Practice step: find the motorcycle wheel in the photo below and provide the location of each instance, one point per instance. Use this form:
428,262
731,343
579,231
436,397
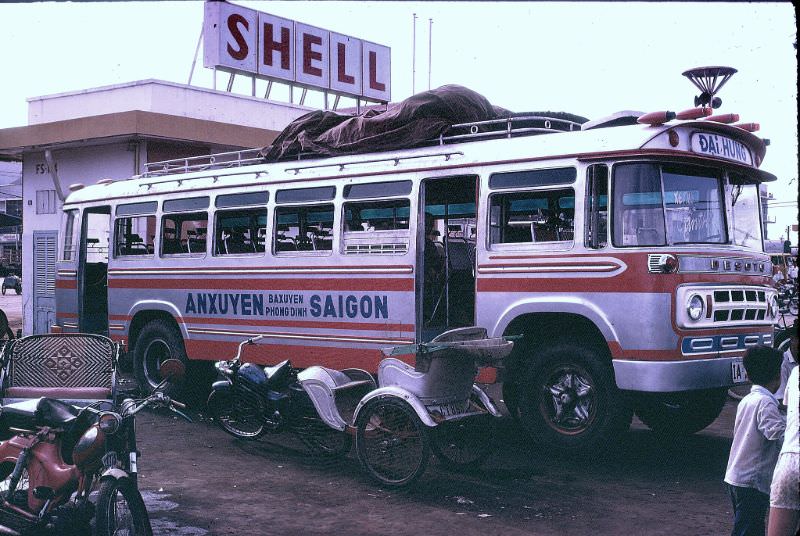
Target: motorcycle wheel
464,443
121,510
391,442
793,307
239,413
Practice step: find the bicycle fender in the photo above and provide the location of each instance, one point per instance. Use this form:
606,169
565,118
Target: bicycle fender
393,391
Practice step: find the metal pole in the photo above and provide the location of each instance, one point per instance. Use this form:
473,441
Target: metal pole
196,51
414,56
430,43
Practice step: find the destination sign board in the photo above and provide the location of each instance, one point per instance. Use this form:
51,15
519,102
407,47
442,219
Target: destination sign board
242,40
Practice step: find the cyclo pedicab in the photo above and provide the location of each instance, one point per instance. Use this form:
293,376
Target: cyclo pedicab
398,421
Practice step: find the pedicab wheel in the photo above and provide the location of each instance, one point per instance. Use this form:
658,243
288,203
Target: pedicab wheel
321,439
464,443
391,442
238,412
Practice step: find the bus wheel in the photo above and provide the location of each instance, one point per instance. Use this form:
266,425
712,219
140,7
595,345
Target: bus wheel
569,400
680,413
157,342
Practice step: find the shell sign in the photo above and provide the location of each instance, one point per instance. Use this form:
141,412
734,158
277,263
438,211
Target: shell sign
242,40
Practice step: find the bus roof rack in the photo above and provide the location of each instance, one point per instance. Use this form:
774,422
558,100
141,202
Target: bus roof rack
231,159
508,127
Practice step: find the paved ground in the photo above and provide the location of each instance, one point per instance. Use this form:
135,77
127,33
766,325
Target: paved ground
199,481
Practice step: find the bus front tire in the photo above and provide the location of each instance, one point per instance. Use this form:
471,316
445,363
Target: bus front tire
157,342
682,413
569,400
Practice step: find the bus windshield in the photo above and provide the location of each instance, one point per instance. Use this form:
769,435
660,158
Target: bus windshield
661,204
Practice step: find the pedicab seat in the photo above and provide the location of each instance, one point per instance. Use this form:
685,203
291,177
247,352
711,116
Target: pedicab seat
76,368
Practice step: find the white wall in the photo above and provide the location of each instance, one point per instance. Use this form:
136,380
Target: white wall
81,165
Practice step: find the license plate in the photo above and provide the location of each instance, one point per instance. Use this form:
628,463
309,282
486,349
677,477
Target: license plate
449,410
721,147
738,374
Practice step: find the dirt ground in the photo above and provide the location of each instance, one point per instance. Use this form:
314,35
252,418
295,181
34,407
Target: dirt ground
199,481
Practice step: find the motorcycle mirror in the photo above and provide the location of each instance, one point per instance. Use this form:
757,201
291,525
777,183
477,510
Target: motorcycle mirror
172,369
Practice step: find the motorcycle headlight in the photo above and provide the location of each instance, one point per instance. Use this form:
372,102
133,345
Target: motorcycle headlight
695,307
109,423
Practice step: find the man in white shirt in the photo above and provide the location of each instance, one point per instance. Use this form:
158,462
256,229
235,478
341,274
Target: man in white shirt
757,438
789,360
784,496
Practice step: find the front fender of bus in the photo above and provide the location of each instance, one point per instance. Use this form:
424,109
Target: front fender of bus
571,305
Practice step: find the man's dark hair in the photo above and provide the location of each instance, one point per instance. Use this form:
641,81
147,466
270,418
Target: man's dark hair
763,364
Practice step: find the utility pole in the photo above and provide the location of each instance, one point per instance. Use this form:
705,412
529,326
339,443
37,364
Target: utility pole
414,56
430,41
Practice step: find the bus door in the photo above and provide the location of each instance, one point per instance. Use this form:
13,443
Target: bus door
93,271
447,235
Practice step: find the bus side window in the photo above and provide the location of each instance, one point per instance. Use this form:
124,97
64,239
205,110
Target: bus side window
533,217
597,207
134,235
304,229
184,234
239,232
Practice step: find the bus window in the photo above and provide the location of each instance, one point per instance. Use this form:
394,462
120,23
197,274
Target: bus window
377,215
532,217
134,235
304,229
184,234
238,232
68,252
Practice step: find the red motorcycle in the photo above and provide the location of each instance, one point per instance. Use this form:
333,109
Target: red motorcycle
60,454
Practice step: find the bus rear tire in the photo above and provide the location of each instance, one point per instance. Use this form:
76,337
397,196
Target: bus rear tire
569,400
682,413
157,342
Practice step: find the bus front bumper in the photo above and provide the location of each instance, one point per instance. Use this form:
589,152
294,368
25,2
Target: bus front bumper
672,376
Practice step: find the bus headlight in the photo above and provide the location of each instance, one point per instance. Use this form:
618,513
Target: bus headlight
695,307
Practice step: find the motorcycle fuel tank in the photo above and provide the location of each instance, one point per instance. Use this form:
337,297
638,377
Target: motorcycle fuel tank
252,375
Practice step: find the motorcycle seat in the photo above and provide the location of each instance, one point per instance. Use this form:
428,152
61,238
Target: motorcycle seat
41,412
278,374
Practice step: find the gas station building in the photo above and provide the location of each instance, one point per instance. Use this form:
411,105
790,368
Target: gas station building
112,132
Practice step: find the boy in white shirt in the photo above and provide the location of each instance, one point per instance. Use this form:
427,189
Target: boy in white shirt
757,438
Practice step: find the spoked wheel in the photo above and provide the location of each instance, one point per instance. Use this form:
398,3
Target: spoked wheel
121,510
321,439
464,443
238,412
391,442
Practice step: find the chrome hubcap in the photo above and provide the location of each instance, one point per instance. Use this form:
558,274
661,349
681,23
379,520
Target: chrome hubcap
569,400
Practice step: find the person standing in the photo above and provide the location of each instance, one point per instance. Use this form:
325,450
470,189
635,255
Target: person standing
784,497
757,437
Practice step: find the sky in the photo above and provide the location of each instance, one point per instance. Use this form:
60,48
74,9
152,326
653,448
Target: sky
587,58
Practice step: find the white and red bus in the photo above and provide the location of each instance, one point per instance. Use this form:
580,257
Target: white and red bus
629,257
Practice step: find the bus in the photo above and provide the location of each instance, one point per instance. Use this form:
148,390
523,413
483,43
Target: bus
627,254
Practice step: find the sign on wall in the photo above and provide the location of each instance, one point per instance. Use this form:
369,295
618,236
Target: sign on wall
242,40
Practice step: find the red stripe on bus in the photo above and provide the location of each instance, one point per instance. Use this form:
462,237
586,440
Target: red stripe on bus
361,326
67,315
243,283
266,268
67,283
301,355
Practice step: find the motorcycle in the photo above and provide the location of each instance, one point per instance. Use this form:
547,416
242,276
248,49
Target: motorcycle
250,401
59,454
787,297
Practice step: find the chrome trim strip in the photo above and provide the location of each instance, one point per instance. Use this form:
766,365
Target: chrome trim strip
326,338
